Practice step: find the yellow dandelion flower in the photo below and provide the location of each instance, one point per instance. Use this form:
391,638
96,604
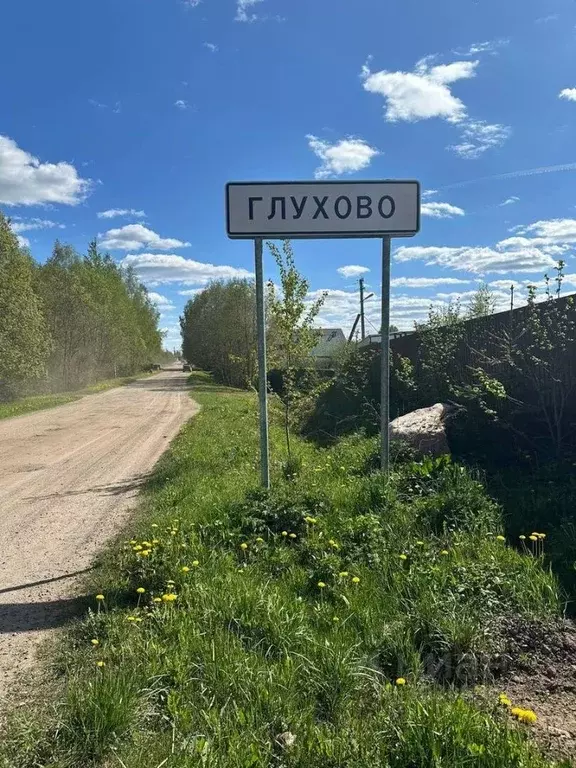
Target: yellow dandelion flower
157,600
343,574
533,538
444,552
420,543
155,541
99,597
321,584
355,580
173,532
284,533
140,590
522,537
541,535
100,663
516,711
504,700
138,548
292,535
185,569
147,544
244,546
145,553
195,563
133,541
403,557
400,681
130,618
501,538
528,716
335,618
169,597
260,540
94,641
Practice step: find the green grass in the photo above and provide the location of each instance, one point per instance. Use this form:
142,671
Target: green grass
42,402
255,663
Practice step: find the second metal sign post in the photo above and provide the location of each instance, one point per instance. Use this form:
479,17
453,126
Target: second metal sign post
322,209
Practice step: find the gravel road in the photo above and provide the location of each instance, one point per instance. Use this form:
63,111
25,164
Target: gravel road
68,477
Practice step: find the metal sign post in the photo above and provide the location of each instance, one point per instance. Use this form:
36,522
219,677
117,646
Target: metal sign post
385,360
322,209
262,369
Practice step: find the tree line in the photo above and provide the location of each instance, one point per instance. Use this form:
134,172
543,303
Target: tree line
219,325
71,321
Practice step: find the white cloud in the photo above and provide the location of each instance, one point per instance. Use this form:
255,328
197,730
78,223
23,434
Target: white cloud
550,232
423,93
479,259
426,282
504,285
181,104
163,303
211,47
24,180
568,93
133,237
489,46
441,210
23,242
244,10
192,3
340,309
510,200
172,336
344,156
18,224
407,310
117,108
429,193
546,19
157,269
114,212
479,136
352,270
190,292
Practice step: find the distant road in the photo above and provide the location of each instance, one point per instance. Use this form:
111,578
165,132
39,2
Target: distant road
68,476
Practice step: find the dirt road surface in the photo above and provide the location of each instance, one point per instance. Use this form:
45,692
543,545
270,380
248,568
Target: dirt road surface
68,478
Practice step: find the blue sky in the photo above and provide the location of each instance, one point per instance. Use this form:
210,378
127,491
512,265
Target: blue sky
125,119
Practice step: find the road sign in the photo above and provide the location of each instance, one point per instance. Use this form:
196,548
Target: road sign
322,209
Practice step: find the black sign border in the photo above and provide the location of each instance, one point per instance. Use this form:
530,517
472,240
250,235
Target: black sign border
320,235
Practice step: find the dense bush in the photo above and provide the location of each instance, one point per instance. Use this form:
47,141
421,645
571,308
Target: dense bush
352,400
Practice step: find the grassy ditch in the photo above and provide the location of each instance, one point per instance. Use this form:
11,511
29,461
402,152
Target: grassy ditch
340,622
42,402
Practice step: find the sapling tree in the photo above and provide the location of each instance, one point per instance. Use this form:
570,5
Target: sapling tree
291,333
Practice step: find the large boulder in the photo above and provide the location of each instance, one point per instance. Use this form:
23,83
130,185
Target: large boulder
423,430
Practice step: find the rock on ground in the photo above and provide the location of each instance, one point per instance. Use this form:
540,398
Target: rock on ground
423,430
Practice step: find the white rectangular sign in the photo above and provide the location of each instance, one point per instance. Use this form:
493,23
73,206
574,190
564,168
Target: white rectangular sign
308,209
